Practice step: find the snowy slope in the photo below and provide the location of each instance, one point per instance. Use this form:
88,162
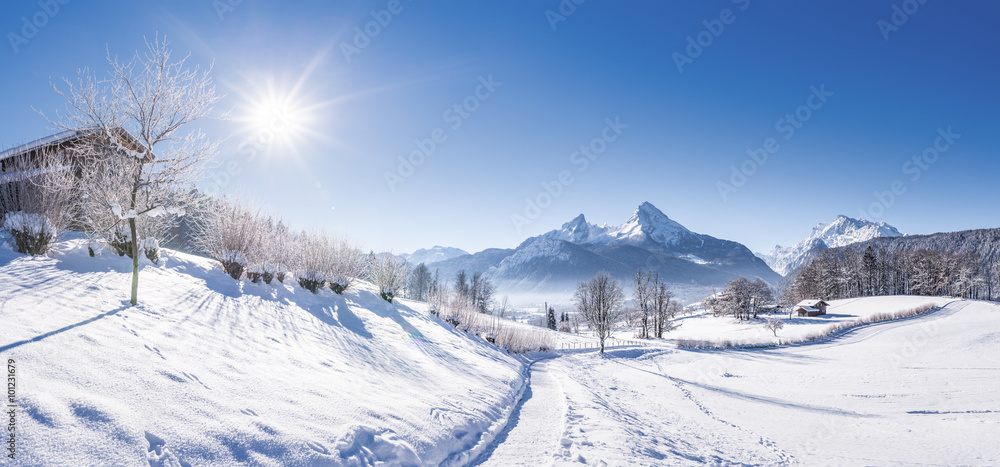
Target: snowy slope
210,371
841,232
433,255
916,391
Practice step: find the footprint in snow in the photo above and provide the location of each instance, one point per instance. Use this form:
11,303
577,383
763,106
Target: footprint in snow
194,378
155,350
158,455
249,412
318,448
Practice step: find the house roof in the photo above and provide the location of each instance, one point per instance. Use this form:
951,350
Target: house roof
806,308
125,139
812,303
40,143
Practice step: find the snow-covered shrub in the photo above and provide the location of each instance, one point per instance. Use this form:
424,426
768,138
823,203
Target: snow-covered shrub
94,247
255,273
312,261
231,234
233,263
389,273
36,195
150,249
119,239
32,233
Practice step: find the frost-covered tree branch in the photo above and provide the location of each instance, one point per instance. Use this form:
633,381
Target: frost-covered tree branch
140,159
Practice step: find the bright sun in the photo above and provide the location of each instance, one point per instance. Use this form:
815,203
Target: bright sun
278,116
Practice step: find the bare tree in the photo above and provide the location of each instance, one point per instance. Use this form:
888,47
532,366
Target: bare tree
420,282
599,301
481,291
641,294
744,298
663,308
139,112
774,324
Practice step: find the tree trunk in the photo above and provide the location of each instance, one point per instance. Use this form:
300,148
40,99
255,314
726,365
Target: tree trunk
135,262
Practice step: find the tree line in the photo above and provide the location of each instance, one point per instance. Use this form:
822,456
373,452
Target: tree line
848,272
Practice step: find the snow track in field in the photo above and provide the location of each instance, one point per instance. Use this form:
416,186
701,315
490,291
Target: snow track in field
532,436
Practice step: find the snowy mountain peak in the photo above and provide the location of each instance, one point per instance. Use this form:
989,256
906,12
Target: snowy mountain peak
434,254
650,222
842,231
646,224
847,230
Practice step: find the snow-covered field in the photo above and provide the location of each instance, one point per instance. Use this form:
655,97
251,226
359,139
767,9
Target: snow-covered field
210,371
703,326
919,391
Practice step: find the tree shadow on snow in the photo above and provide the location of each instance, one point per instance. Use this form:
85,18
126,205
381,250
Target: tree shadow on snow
63,329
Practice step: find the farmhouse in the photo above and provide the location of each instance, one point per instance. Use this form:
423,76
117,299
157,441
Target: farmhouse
811,308
25,156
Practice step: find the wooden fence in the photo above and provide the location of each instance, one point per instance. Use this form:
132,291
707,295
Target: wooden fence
596,345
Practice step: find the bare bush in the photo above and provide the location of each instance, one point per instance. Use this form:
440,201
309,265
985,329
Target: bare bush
388,272
312,261
512,337
231,234
346,264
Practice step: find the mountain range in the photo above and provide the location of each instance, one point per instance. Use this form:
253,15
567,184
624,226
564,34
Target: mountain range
556,261
842,231
434,254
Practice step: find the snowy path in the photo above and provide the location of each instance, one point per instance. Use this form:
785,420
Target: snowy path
533,435
618,409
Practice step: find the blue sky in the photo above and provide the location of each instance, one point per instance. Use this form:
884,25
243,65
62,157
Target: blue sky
354,106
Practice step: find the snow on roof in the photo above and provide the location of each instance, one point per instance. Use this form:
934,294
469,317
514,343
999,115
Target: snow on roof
134,147
807,308
42,142
811,303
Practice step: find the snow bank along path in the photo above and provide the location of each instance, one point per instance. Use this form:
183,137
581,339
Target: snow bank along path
210,371
917,391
